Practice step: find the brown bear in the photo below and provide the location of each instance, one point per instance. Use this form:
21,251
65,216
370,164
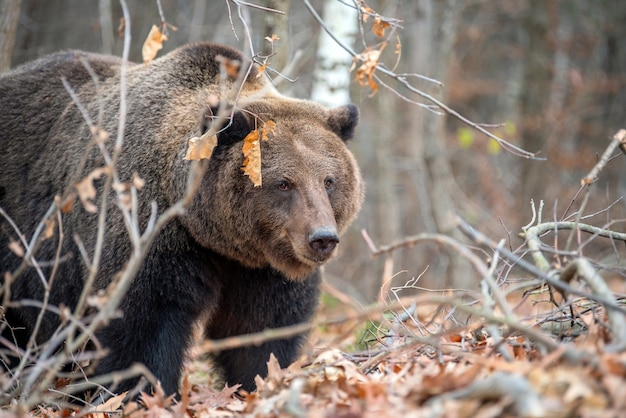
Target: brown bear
241,258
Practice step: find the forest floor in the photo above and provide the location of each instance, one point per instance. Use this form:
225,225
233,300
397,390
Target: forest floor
415,357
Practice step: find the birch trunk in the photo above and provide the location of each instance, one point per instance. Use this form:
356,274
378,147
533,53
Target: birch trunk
331,81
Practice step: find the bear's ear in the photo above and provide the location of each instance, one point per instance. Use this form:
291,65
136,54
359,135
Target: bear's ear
342,120
232,130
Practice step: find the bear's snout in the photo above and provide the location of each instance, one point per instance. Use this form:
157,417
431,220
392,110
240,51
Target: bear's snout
323,240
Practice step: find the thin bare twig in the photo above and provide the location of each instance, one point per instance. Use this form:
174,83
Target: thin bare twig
402,79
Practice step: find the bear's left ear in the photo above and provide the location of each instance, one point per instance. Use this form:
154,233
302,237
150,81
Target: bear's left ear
235,129
342,120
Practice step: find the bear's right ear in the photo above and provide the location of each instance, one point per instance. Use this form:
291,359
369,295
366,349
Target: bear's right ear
231,131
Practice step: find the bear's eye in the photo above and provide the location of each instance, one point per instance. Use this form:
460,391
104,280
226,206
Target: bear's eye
283,185
329,183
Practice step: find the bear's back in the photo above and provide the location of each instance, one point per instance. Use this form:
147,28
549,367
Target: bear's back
32,99
33,96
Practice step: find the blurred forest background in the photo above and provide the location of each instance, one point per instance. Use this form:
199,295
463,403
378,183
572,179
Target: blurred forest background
551,74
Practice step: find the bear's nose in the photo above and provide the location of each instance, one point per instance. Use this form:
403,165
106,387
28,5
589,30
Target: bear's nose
323,240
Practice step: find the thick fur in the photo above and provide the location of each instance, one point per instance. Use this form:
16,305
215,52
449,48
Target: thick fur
242,258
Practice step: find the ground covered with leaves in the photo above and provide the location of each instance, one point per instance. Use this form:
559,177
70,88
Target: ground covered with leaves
415,357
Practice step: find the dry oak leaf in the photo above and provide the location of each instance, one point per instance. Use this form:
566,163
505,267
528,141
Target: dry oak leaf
153,43
252,152
379,26
365,73
106,409
201,146
87,191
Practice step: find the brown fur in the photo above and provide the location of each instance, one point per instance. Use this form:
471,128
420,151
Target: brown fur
233,234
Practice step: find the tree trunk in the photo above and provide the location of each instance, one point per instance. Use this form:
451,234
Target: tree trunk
438,21
9,19
277,24
535,90
331,80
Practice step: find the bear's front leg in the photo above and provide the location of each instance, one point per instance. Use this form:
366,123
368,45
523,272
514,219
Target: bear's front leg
159,314
254,300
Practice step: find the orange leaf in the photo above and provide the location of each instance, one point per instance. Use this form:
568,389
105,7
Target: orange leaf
365,73
379,26
153,43
201,147
252,151
231,67
261,70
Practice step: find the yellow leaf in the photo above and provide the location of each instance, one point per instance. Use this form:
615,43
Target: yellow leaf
252,151
510,129
201,147
493,147
153,43
465,137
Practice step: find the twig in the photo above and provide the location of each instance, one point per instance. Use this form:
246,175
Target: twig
582,267
552,279
404,82
619,140
526,401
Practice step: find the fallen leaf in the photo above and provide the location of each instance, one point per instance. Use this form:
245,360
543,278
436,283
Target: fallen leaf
209,398
157,399
111,405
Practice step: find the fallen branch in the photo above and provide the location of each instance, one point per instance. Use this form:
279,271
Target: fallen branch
526,401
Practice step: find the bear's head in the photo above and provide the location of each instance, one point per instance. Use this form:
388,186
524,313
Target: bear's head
311,187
